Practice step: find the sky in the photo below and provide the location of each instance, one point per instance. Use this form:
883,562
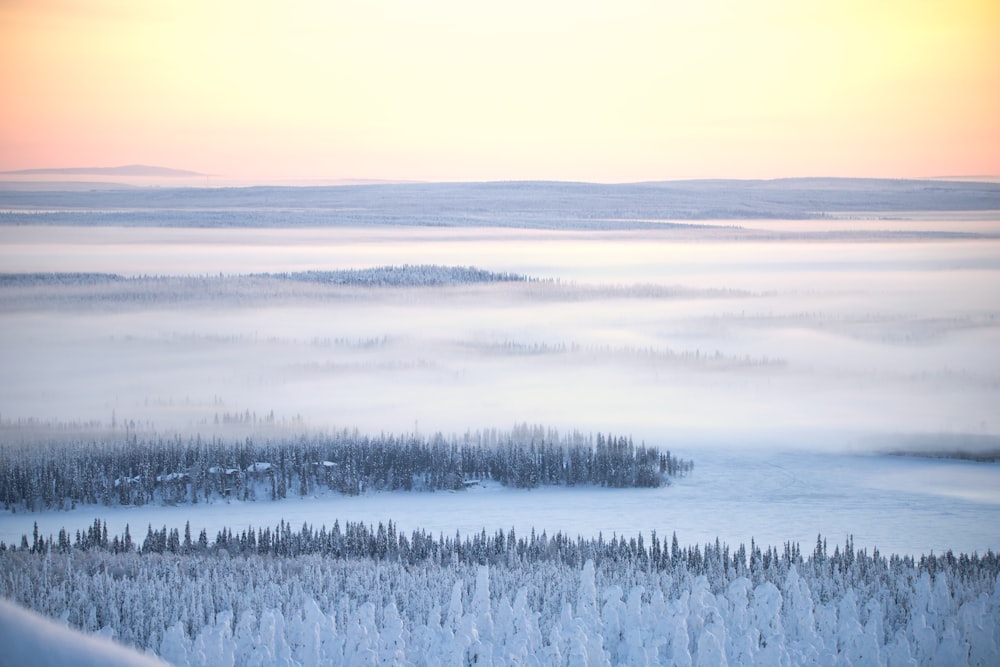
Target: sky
451,90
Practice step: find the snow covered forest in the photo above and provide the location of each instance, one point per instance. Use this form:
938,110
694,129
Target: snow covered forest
360,595
130,471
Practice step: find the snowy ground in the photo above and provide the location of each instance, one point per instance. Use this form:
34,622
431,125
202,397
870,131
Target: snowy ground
30,639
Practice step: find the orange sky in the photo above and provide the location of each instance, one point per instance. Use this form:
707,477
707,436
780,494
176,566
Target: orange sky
524,89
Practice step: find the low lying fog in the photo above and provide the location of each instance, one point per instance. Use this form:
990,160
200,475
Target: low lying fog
799,343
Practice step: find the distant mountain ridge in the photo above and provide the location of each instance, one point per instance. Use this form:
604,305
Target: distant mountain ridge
518,204
124,170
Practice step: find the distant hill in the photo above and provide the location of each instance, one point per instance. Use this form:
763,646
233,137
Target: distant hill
519,204
125,170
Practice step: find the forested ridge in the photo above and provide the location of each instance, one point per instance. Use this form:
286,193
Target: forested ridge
37,290
377,276
53,289
134,471
399,276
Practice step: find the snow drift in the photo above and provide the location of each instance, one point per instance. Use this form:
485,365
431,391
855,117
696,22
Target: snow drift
30,639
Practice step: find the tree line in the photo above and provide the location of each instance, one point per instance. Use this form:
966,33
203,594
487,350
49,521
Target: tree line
356,540
406,275
623,600
134,471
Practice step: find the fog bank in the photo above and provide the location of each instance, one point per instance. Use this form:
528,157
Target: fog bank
804,344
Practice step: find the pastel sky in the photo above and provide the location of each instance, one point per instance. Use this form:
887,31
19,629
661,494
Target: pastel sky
622,90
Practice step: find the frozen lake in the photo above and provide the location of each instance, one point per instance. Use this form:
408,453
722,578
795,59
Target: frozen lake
899,505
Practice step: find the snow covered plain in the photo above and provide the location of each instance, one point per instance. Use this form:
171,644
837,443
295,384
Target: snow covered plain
777,355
